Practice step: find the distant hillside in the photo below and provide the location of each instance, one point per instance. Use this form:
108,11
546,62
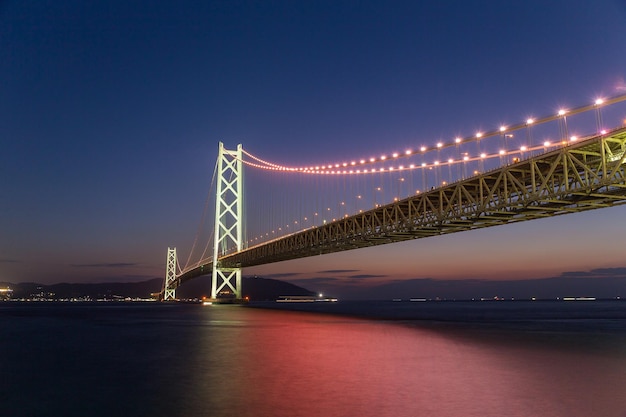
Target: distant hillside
258,289
264,289
77,290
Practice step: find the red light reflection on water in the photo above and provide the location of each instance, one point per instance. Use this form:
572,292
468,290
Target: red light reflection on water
294,364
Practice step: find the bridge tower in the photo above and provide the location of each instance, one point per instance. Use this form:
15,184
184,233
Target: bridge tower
169,290
228,220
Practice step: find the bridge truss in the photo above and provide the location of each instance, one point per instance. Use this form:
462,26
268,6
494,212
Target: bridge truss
587,175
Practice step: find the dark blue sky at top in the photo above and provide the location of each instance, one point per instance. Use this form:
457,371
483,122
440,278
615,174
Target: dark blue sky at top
111,111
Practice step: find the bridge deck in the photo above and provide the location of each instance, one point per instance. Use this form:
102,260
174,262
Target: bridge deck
586,175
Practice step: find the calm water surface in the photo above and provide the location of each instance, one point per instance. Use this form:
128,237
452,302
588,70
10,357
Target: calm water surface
189,360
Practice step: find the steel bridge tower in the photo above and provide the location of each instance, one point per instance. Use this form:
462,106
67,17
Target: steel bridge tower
169,290
228,220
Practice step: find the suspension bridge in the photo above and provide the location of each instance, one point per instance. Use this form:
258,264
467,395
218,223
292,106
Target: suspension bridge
566,162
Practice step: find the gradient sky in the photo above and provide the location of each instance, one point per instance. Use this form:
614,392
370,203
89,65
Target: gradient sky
111,113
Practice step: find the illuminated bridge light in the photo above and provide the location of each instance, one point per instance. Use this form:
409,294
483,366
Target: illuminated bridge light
599,101
500,130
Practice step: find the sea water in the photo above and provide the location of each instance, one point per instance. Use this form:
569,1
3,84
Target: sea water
337,359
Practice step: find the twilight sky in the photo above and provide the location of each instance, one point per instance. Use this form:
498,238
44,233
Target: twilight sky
111,113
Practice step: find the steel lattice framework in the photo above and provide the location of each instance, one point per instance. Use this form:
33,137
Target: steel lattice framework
228,220
170,283
587,175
